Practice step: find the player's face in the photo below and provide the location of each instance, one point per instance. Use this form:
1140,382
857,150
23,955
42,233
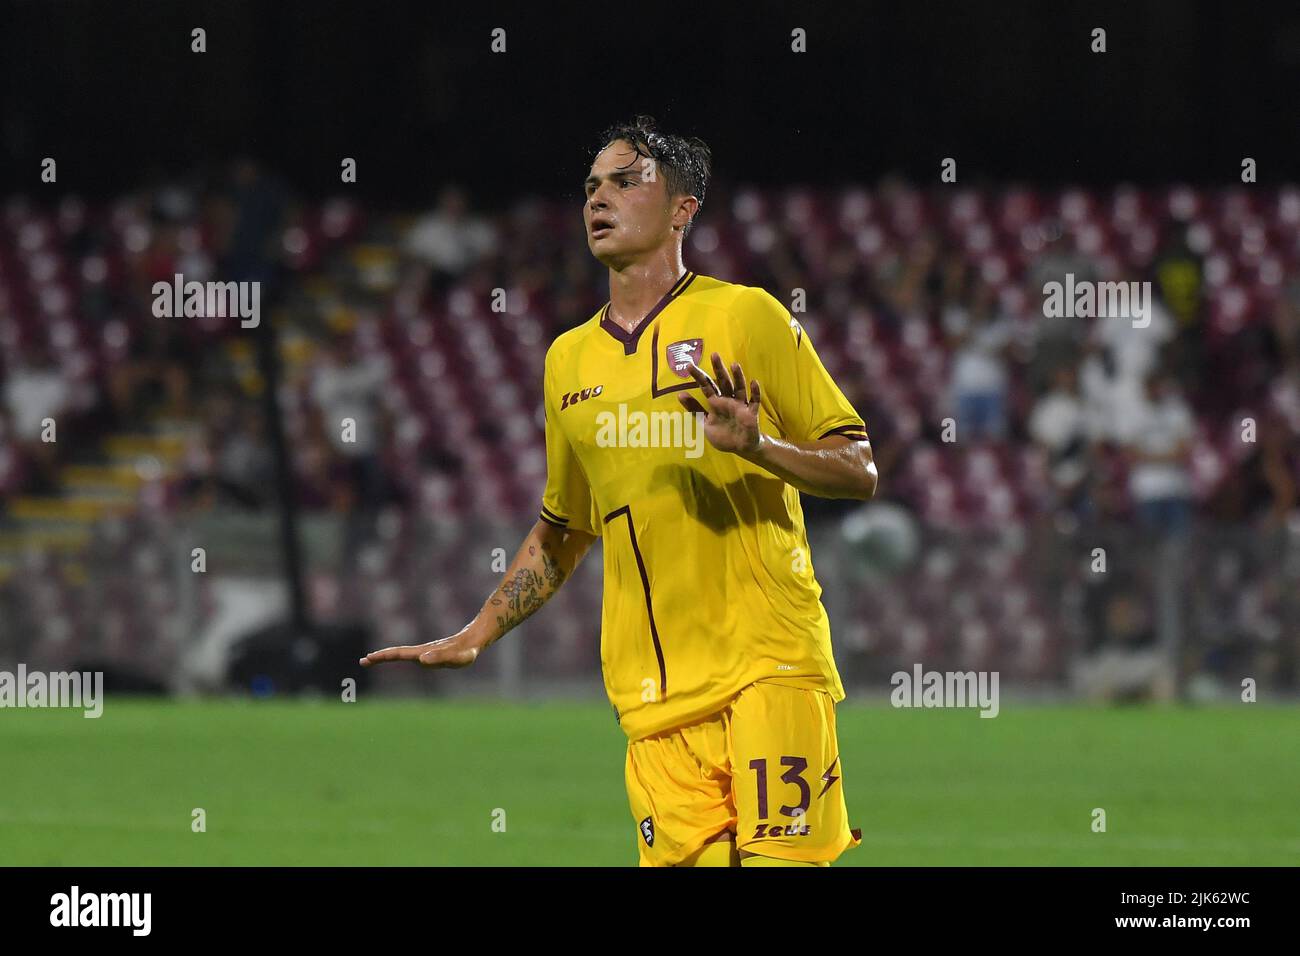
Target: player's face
627,210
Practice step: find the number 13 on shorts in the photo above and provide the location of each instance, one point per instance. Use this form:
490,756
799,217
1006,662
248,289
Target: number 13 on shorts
788,784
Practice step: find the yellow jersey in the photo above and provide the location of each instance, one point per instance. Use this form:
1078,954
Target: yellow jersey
708,580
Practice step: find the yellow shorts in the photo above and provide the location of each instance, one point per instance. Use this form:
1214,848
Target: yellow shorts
764,770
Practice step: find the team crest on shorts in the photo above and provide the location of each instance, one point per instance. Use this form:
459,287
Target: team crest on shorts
682,354
648,831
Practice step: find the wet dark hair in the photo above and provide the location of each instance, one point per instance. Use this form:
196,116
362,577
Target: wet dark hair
685,161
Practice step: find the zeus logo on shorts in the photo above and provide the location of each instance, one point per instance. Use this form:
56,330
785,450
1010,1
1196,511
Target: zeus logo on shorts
648,831
777,829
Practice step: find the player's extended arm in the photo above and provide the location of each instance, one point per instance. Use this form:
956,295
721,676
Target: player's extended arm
833,467
544,561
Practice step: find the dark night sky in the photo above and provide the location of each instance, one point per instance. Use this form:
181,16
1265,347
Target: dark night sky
412,91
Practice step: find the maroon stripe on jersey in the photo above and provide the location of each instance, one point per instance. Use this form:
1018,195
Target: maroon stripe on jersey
655,390
690,277
856,432
645,587
630,339
552,521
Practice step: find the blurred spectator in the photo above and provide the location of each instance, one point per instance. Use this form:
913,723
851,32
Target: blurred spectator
244,463
1158,439
1135,349
1059,256
312,467
251,249
1061,425
1178,280
1263,489
347,390
1057,338
232,465
1111,398
346,386
1284,396
37,390
450,239
159,369
1122,659
1283,336
979,375
919,274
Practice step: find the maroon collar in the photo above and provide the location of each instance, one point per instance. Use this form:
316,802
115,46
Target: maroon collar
630,339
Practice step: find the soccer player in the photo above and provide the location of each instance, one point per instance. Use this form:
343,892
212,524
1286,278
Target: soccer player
715,646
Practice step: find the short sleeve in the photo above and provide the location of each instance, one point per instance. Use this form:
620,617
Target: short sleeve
804,399
567,501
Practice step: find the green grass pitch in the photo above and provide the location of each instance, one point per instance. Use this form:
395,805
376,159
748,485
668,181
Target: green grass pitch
418,783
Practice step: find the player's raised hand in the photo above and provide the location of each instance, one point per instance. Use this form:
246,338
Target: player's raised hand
731,420
454,651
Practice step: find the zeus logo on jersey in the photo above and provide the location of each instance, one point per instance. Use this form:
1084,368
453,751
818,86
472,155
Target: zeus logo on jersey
576,396
648,831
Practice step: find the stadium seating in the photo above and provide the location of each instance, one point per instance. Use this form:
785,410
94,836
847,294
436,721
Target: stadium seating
462,384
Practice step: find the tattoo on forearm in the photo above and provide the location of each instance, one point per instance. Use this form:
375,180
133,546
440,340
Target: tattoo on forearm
527,590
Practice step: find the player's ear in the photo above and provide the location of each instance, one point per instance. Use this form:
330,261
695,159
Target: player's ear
684,211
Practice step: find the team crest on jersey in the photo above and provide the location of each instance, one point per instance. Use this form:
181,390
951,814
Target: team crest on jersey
648,831
682,354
